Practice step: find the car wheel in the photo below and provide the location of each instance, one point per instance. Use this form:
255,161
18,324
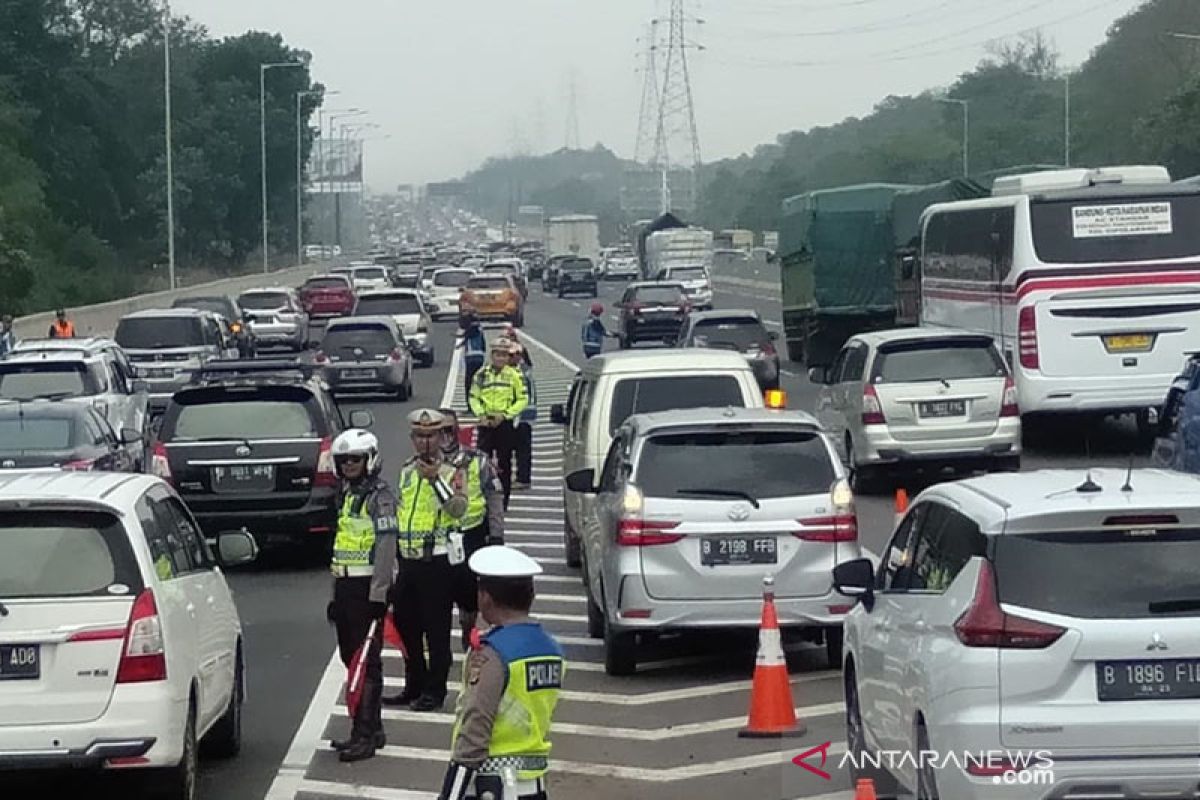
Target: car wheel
1007,464
572,549
427,361
519,322
856,740
926,779
595,617
833,645
179,782
405,390
620,651
863,478
225,738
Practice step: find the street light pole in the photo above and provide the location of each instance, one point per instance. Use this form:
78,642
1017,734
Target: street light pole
169,146
300,172
1067,122
262,130
336,185
966,147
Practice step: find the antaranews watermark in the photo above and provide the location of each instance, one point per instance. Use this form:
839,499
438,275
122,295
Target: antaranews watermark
1006,767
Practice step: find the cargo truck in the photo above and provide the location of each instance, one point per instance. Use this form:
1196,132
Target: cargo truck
678,247
573,235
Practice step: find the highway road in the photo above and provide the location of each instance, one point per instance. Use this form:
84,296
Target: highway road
668,733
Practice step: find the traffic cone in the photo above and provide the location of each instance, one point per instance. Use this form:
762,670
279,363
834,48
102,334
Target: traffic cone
772,711
864,789
901,506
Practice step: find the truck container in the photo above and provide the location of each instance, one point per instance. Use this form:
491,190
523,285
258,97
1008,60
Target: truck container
678,247
573,235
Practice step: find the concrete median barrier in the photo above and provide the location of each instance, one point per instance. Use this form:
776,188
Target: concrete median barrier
101,319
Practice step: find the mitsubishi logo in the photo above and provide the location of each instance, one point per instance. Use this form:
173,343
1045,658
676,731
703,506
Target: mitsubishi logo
1157,643
739,513
242,450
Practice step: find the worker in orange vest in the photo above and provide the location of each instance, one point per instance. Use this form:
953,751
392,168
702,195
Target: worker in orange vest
62,328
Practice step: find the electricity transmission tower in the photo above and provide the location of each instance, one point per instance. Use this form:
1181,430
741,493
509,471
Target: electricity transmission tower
676,144
647,129
573,118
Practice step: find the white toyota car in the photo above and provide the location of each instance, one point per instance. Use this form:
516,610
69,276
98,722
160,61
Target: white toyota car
120,645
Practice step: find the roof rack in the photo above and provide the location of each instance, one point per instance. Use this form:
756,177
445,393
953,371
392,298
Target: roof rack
291,370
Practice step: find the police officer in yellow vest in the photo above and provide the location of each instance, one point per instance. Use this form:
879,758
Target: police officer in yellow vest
512,679
364,560
498,396
430,507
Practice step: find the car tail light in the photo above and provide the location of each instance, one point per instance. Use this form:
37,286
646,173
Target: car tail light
144,658
1009,406
160,466
635,307
1027,340
396,356
872,413
634,530
767,349
985,624
320,358
840,525
326,473
80,465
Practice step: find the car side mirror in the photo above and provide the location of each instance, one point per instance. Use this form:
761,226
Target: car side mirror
583,481
856,579
235,548
558,414
362,418
131,436
819,375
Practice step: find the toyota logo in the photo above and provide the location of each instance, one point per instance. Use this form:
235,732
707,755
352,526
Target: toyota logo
739,513
242,450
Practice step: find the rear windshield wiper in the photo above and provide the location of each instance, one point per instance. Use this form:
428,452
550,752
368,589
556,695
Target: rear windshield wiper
1175,606
749,498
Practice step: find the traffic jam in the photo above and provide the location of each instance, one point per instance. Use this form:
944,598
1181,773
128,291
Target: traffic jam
726,487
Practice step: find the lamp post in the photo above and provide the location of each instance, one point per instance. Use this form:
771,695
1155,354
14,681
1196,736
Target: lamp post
966,146
262,129
337,197
169,146
300,171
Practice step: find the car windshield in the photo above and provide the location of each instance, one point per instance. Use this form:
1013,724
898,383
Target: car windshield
263,301
64,553
1115,229
370,273
763,464
387,304
213,304
577,265
452,279
1116,574
225,417
919,362
648,395
325,283
482,282
30,381
657,295
371,339
740,334
36,434
159,333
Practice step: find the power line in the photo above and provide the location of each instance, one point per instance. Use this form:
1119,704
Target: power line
910,19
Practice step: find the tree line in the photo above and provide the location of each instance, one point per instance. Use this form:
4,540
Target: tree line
83,155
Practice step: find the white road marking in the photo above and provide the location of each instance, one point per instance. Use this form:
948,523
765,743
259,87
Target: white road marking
308,736
557,356
365,792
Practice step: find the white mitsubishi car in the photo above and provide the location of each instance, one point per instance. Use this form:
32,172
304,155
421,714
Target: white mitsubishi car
120,644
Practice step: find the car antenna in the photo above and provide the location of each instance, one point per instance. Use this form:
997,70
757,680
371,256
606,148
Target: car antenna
1088,486
1128,487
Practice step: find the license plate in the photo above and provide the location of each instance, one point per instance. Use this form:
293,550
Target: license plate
1129,343
732,550
244,478
1158,679
942,408
20,662
356,374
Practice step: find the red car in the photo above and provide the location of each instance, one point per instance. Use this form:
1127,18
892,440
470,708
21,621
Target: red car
328,296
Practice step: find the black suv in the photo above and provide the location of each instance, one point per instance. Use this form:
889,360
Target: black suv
248,444
228,310
577,276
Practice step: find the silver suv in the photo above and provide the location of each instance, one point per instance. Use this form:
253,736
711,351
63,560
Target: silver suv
276,317
693,509
94,372
168,346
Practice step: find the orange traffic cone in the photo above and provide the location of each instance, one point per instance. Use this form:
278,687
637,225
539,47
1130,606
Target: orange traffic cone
865,789
772,711
901,505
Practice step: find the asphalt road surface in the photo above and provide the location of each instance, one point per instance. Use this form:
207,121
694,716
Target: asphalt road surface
668,733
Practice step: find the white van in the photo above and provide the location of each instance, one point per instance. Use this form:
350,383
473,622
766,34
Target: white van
613,387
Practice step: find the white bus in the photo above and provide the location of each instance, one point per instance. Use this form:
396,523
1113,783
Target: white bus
1088,280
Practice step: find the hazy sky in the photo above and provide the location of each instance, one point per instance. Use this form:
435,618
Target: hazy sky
452,82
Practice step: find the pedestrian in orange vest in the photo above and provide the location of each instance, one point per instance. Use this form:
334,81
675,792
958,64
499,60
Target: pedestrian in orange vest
62,328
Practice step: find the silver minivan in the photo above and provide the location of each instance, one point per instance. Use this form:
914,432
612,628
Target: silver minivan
613,387
167,346
694,509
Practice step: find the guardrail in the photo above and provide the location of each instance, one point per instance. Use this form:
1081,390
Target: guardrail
101,319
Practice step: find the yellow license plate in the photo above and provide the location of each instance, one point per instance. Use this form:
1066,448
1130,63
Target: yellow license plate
1129,343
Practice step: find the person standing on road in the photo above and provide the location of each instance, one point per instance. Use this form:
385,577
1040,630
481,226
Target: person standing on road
62,328
500,744
430,506
497,398
8,338
482,525
594,332
474,346
524,435
364,557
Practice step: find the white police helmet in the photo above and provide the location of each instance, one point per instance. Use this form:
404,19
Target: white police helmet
357,442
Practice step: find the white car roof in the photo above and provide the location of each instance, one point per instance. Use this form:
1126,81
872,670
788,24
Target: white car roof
114,490
653,362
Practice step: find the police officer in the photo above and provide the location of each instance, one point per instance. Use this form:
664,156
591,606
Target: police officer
500,742
364,558
498,396
483,523
429,509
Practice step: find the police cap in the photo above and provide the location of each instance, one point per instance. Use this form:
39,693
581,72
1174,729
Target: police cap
426,419
499,561
502,345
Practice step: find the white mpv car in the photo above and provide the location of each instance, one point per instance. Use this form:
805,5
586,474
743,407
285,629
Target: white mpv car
120,645
1037,634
